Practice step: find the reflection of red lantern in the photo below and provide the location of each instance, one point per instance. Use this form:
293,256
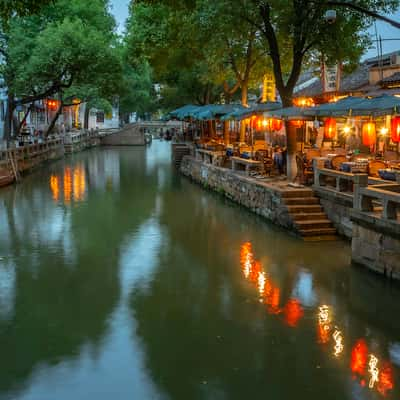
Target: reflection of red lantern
359,358
330,128
369,134
396,129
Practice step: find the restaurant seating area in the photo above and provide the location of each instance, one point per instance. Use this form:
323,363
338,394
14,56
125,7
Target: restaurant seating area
352,135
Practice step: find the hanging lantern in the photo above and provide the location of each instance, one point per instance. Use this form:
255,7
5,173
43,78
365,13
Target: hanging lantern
330,128
369,134
276,124
395,129
297,123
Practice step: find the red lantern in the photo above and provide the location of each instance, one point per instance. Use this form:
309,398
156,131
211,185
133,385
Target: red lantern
276,124
396,129
369,134
330,128
297,123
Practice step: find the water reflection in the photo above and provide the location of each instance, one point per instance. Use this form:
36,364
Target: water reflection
270,293
72,184
365,366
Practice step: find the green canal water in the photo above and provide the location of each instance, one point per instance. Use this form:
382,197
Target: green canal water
119,279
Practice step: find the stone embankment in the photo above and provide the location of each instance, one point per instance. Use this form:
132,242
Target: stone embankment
296,209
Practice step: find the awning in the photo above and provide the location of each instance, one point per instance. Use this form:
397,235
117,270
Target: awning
242,112
290,113
339,108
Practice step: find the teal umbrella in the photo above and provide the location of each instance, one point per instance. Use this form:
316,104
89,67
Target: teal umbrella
290,113
241,112
342,107
382,105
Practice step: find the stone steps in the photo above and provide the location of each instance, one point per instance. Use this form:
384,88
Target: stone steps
298,201
317,232
309,218
297,193
305,209
313,224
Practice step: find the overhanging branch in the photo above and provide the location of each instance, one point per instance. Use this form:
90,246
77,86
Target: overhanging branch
365,11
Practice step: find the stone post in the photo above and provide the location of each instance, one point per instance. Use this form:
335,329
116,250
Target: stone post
360,181
318,164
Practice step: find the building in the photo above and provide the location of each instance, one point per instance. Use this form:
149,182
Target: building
374,77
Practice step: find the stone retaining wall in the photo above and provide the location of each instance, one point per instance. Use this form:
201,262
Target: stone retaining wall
259,197
338,207
376,244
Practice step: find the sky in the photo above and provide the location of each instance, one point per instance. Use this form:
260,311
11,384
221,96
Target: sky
386,31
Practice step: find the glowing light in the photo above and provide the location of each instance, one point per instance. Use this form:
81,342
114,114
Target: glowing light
395,125
346,129
338,338
373,370
384,131
324,320
359,357
369,133
293,312
261,283
246,259
264,123
304,102
67,185
330,128
55,187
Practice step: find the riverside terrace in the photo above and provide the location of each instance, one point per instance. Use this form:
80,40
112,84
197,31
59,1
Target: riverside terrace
355,193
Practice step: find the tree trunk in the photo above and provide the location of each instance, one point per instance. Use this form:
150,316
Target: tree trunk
9,117
54,120
291,137
242,137
24,119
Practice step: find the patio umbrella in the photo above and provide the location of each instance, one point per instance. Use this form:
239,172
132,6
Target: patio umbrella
382,105
339,108
242,112
290,113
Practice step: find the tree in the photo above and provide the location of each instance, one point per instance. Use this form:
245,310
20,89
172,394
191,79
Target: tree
69,46
295,31
9,8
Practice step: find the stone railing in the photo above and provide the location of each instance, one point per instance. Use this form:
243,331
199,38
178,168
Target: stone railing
31,150
385,196
338,181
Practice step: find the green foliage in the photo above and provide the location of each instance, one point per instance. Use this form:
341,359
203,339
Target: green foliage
70,45
9,8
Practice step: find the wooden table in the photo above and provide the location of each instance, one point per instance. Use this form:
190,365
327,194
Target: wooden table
243,164
208,156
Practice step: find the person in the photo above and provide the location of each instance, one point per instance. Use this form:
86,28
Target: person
279,159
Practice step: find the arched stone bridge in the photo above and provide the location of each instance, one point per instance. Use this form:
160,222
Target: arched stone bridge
134,134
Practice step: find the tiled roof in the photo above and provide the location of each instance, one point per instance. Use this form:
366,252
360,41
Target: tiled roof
349,83
391,79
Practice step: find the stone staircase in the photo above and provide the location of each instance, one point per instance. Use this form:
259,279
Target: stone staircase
179,150
309,219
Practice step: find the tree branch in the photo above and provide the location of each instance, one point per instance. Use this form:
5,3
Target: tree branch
365,11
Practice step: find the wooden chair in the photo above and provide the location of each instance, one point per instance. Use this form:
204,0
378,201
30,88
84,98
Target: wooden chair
337,161
312,153
262,155
375,166
304,173
391,156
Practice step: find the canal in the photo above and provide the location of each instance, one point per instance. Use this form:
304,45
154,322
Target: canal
121,279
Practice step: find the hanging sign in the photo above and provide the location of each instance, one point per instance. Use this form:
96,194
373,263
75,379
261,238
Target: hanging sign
331,78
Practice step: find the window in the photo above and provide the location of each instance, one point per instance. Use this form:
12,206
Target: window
100,117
